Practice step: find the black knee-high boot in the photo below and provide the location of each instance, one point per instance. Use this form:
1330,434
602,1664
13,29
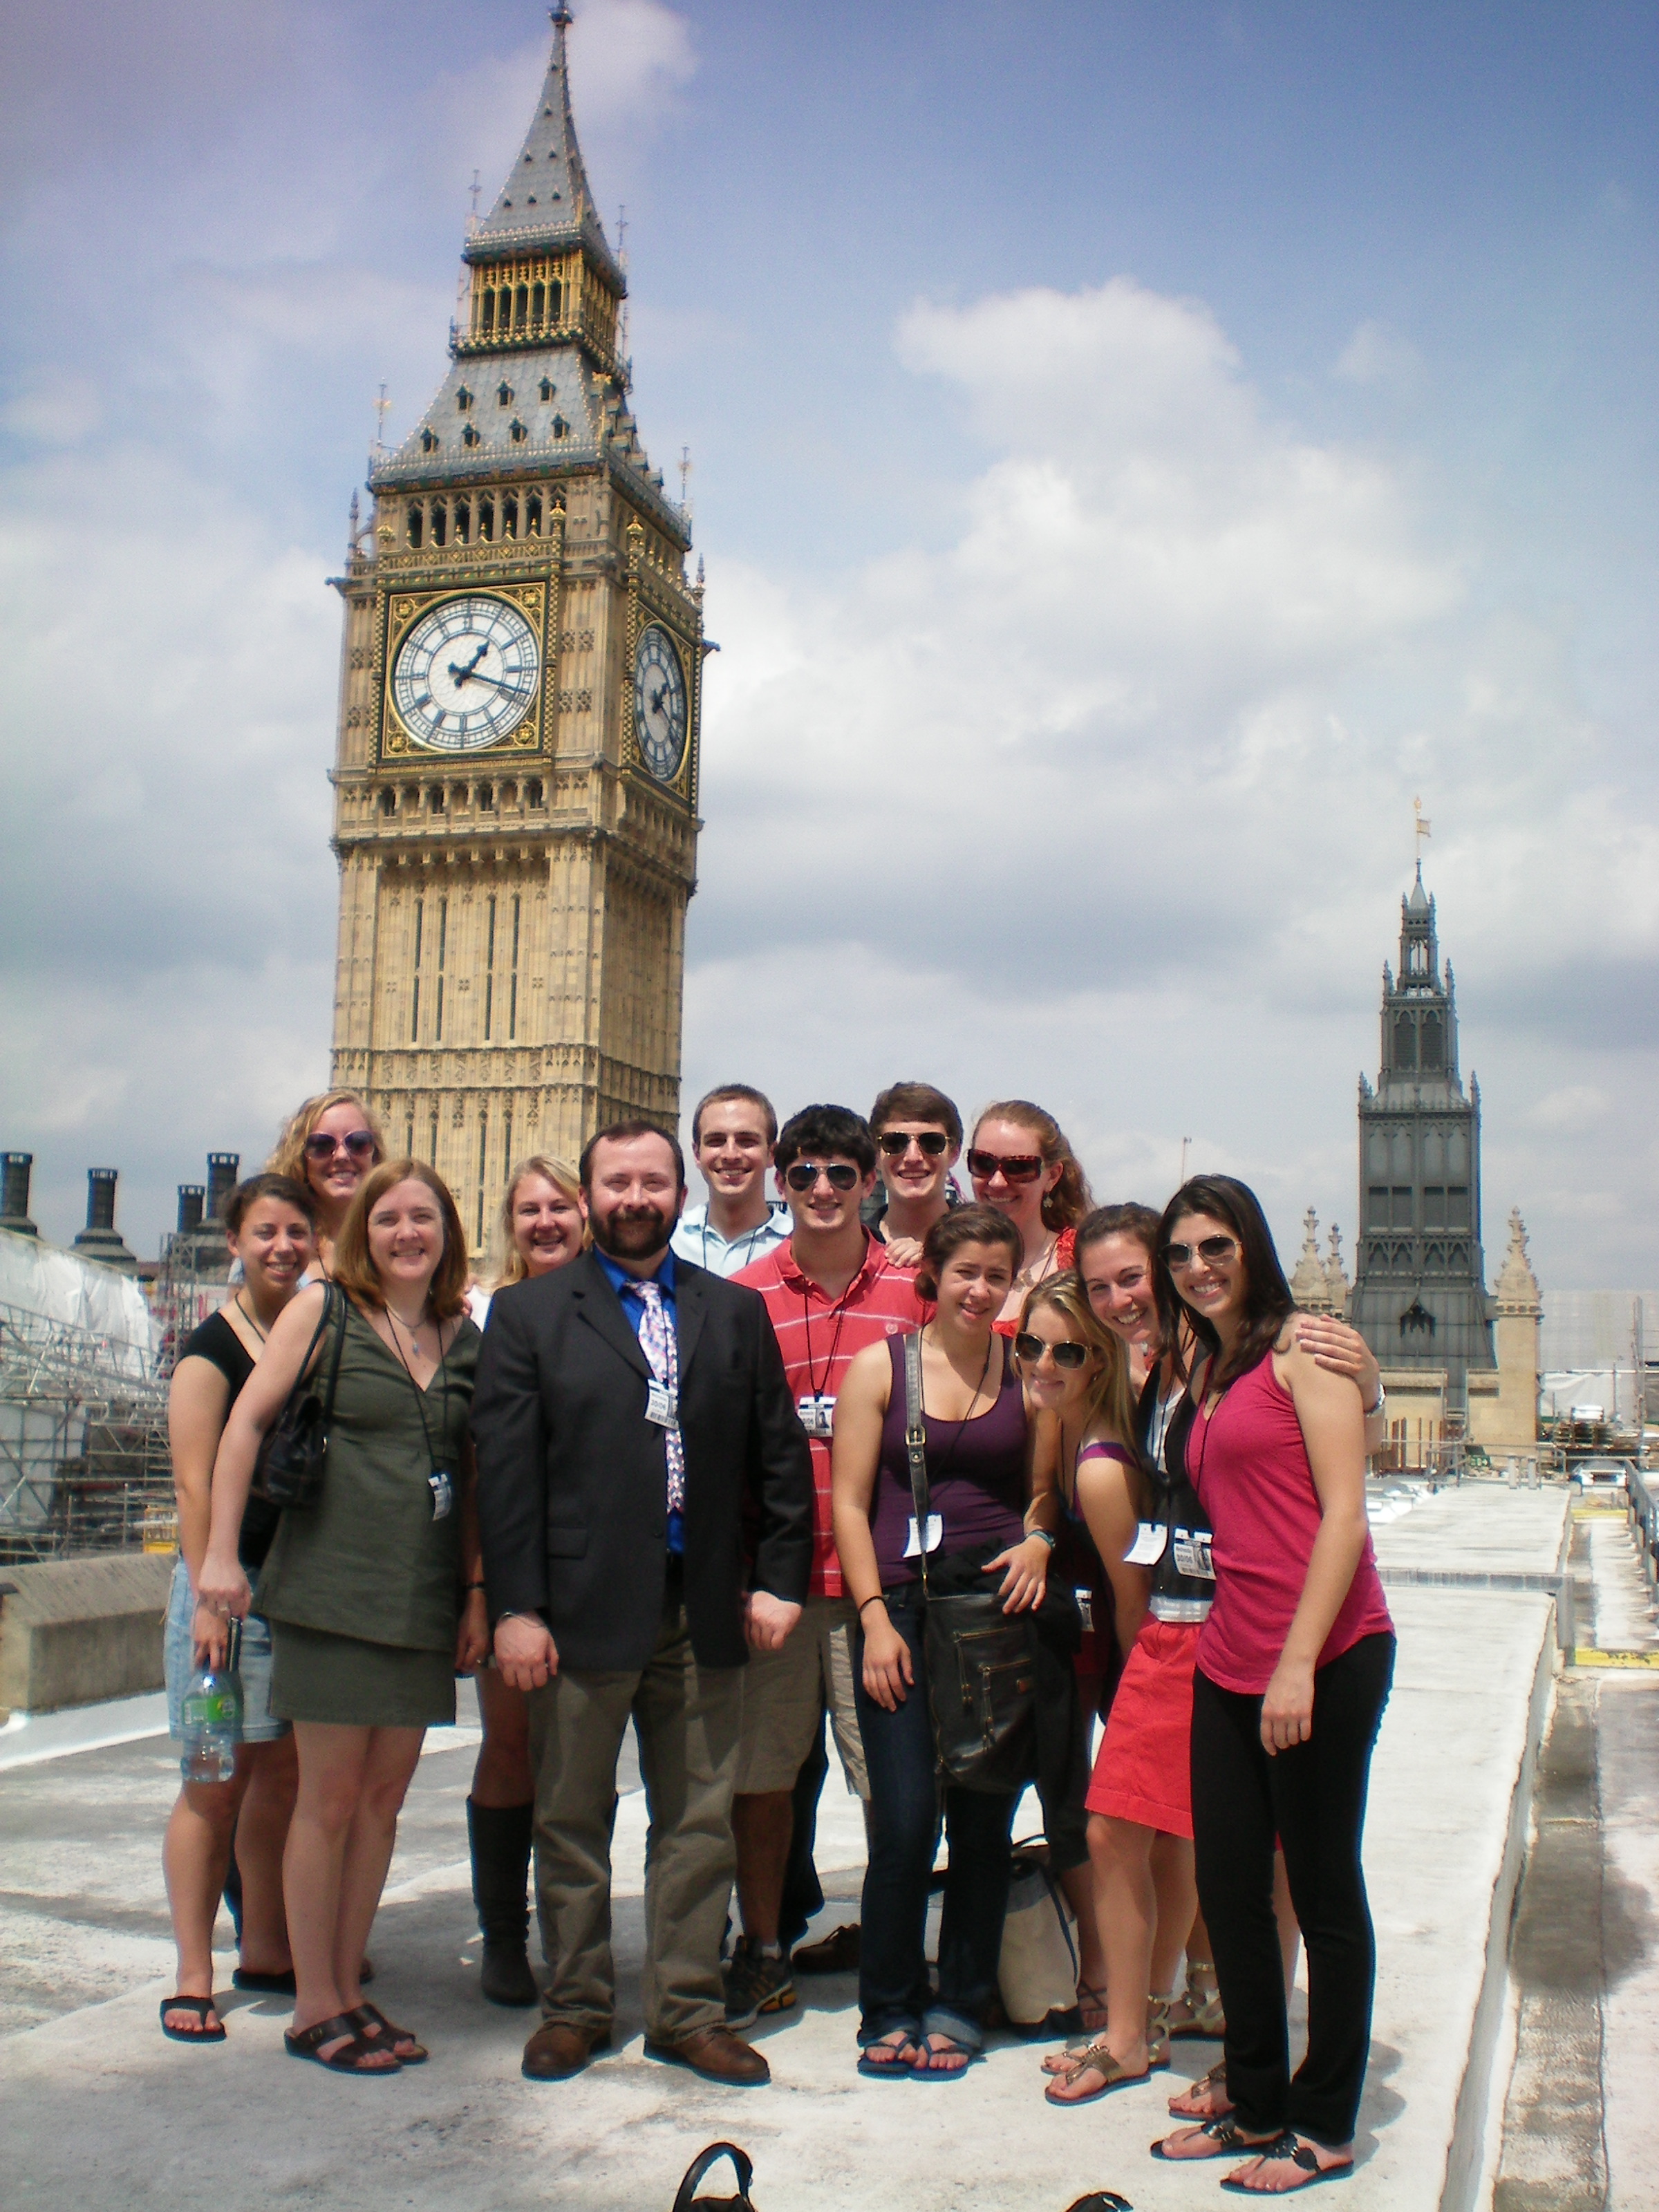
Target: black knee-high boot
500,1837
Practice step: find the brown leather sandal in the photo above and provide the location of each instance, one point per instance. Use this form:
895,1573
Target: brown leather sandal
351,2057
368,2018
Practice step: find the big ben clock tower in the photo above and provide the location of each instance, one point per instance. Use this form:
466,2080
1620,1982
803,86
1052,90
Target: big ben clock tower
516,778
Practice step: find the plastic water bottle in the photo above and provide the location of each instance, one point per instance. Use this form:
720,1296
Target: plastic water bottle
212,1719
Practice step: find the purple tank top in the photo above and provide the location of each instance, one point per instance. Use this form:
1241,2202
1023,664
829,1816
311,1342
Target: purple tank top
975,1476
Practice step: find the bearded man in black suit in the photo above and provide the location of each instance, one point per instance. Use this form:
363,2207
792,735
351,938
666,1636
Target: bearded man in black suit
644,1502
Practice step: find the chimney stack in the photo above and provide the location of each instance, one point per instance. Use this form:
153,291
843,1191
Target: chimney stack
18,1167
223,1171
100,1240
191,1196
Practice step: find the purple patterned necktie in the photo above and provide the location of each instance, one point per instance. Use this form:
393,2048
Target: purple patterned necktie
663,1357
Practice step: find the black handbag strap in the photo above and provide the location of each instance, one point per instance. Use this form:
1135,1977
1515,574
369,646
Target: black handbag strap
915,1444
334,1303
700,2165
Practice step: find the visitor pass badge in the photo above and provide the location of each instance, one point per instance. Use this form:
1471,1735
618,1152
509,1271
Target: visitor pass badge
935,1535
443,1493
1147,1549
661,1407
1192,1553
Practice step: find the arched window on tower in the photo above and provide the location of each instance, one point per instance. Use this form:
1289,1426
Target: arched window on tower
439,521
488,321
509,514
462,522
1433,1057
538,305
486,519
1405,1044
533,515
521,307
412,525
555,300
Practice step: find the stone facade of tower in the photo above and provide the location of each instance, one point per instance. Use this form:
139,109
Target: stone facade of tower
1419,1296
516,779
1503,1407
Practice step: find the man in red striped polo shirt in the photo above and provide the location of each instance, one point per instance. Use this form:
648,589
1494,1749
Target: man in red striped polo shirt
831,1290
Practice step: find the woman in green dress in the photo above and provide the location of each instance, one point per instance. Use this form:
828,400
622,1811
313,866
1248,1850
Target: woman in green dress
374,1593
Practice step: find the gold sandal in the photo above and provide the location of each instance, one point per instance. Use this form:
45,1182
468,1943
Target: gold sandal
1113,2076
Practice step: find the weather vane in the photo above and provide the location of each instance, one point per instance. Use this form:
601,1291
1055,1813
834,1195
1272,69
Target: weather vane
382,408
1419,830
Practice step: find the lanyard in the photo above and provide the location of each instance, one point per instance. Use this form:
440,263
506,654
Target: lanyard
746,1240
820,1390
432,1458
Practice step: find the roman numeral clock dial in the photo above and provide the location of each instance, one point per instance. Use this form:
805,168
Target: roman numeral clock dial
660,716
465,674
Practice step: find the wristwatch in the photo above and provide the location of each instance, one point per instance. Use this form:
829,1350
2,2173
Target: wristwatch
1371,1411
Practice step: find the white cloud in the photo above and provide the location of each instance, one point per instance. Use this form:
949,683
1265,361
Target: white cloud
1376,355
61,412
1110,801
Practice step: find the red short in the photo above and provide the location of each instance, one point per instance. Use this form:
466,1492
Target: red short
1144,1770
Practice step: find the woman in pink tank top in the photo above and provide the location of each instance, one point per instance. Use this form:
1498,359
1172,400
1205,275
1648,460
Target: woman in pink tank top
1294,1665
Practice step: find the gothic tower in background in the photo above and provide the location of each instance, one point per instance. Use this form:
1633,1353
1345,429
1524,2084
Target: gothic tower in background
1419,1296
516,779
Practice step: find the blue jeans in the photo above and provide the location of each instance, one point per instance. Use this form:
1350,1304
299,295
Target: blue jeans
894,1991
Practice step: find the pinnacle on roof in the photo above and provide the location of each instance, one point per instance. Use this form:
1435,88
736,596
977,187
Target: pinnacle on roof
546,201
1418,901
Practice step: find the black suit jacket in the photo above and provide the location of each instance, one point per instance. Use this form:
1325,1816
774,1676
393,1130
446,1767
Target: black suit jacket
571,1478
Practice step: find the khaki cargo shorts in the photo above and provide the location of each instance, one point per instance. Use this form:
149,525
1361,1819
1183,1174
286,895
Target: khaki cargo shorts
786,1694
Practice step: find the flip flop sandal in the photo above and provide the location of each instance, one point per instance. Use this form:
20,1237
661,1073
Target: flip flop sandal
952,2048
1202,1995
283,1985
1300,2154
368,2016
200,2007
1225,2141
349,2059
1215,2079
1112,2077
896,2068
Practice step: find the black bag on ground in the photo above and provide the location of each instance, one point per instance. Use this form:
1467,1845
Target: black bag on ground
294,1452
694,2173
981,1661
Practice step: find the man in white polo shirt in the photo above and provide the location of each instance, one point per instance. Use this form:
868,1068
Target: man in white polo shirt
733,1132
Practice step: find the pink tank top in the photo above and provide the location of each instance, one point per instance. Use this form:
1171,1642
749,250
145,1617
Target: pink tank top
1249,1466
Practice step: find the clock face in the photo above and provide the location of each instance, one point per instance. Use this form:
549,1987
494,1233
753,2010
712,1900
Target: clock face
465,674
659,718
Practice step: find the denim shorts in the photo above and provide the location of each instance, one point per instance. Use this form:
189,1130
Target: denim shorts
259,1725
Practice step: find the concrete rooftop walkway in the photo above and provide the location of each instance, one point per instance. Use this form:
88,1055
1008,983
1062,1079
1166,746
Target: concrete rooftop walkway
97,2110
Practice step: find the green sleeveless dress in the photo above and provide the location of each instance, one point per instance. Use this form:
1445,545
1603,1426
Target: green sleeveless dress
363,1591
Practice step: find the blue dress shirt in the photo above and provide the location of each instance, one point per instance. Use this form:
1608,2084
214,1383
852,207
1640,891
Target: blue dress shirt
627,1288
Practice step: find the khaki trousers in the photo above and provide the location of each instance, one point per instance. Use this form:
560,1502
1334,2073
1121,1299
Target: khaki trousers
689,1722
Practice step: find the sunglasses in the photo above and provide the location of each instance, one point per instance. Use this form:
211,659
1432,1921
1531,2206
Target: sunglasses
357,1142
1018,1167
839,1175
895,1143
1031,1349
1214,1251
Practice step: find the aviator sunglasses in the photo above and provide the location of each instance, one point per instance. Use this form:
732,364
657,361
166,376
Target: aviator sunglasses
1016,1167
357,1142
895,1143
839,1175
1213,1250
1031,1348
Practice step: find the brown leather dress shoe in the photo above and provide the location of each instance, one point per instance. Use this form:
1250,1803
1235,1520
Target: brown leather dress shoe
558,2049
717,2055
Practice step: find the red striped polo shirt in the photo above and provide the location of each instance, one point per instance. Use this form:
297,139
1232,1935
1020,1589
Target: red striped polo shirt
818,1337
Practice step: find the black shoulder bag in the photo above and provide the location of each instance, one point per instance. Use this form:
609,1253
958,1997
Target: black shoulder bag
294,1452
981,1661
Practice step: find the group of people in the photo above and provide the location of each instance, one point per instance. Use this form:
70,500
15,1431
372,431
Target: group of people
660,1467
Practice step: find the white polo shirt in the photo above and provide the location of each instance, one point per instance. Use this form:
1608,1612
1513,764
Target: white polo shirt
696,1239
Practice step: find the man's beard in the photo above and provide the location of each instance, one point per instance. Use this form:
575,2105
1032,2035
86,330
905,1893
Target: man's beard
632,1233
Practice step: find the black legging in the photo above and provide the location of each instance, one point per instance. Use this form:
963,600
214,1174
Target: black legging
1313,1798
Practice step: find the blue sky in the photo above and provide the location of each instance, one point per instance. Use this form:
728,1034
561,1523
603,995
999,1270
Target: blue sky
1136,449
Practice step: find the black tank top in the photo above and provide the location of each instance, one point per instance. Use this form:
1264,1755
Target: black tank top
217,1342
1177,1595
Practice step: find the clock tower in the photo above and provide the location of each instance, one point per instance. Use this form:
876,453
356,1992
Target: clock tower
516,771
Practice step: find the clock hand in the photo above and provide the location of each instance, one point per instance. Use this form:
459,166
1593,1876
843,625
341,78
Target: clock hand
460,675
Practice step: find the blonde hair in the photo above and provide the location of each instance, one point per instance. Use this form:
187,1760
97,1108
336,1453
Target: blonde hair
1110,1402
354,1270
289,1157
1064,1206
504,1261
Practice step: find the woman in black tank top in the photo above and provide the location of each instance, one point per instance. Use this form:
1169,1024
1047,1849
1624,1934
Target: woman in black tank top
269,1229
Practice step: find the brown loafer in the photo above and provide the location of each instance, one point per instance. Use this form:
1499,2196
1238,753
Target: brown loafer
717,2055
560,2048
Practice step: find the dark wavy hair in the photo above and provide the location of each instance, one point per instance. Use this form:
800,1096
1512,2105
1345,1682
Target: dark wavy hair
964,1224
1268,1300
833,1132
287,1190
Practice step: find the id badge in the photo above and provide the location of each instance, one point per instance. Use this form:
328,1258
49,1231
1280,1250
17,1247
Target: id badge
1086,1606
935,1535
1147,1549
1192,1553
443,1493
661,1407
817,1415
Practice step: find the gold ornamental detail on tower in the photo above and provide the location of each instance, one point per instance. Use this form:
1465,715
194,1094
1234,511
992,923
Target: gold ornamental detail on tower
467,671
